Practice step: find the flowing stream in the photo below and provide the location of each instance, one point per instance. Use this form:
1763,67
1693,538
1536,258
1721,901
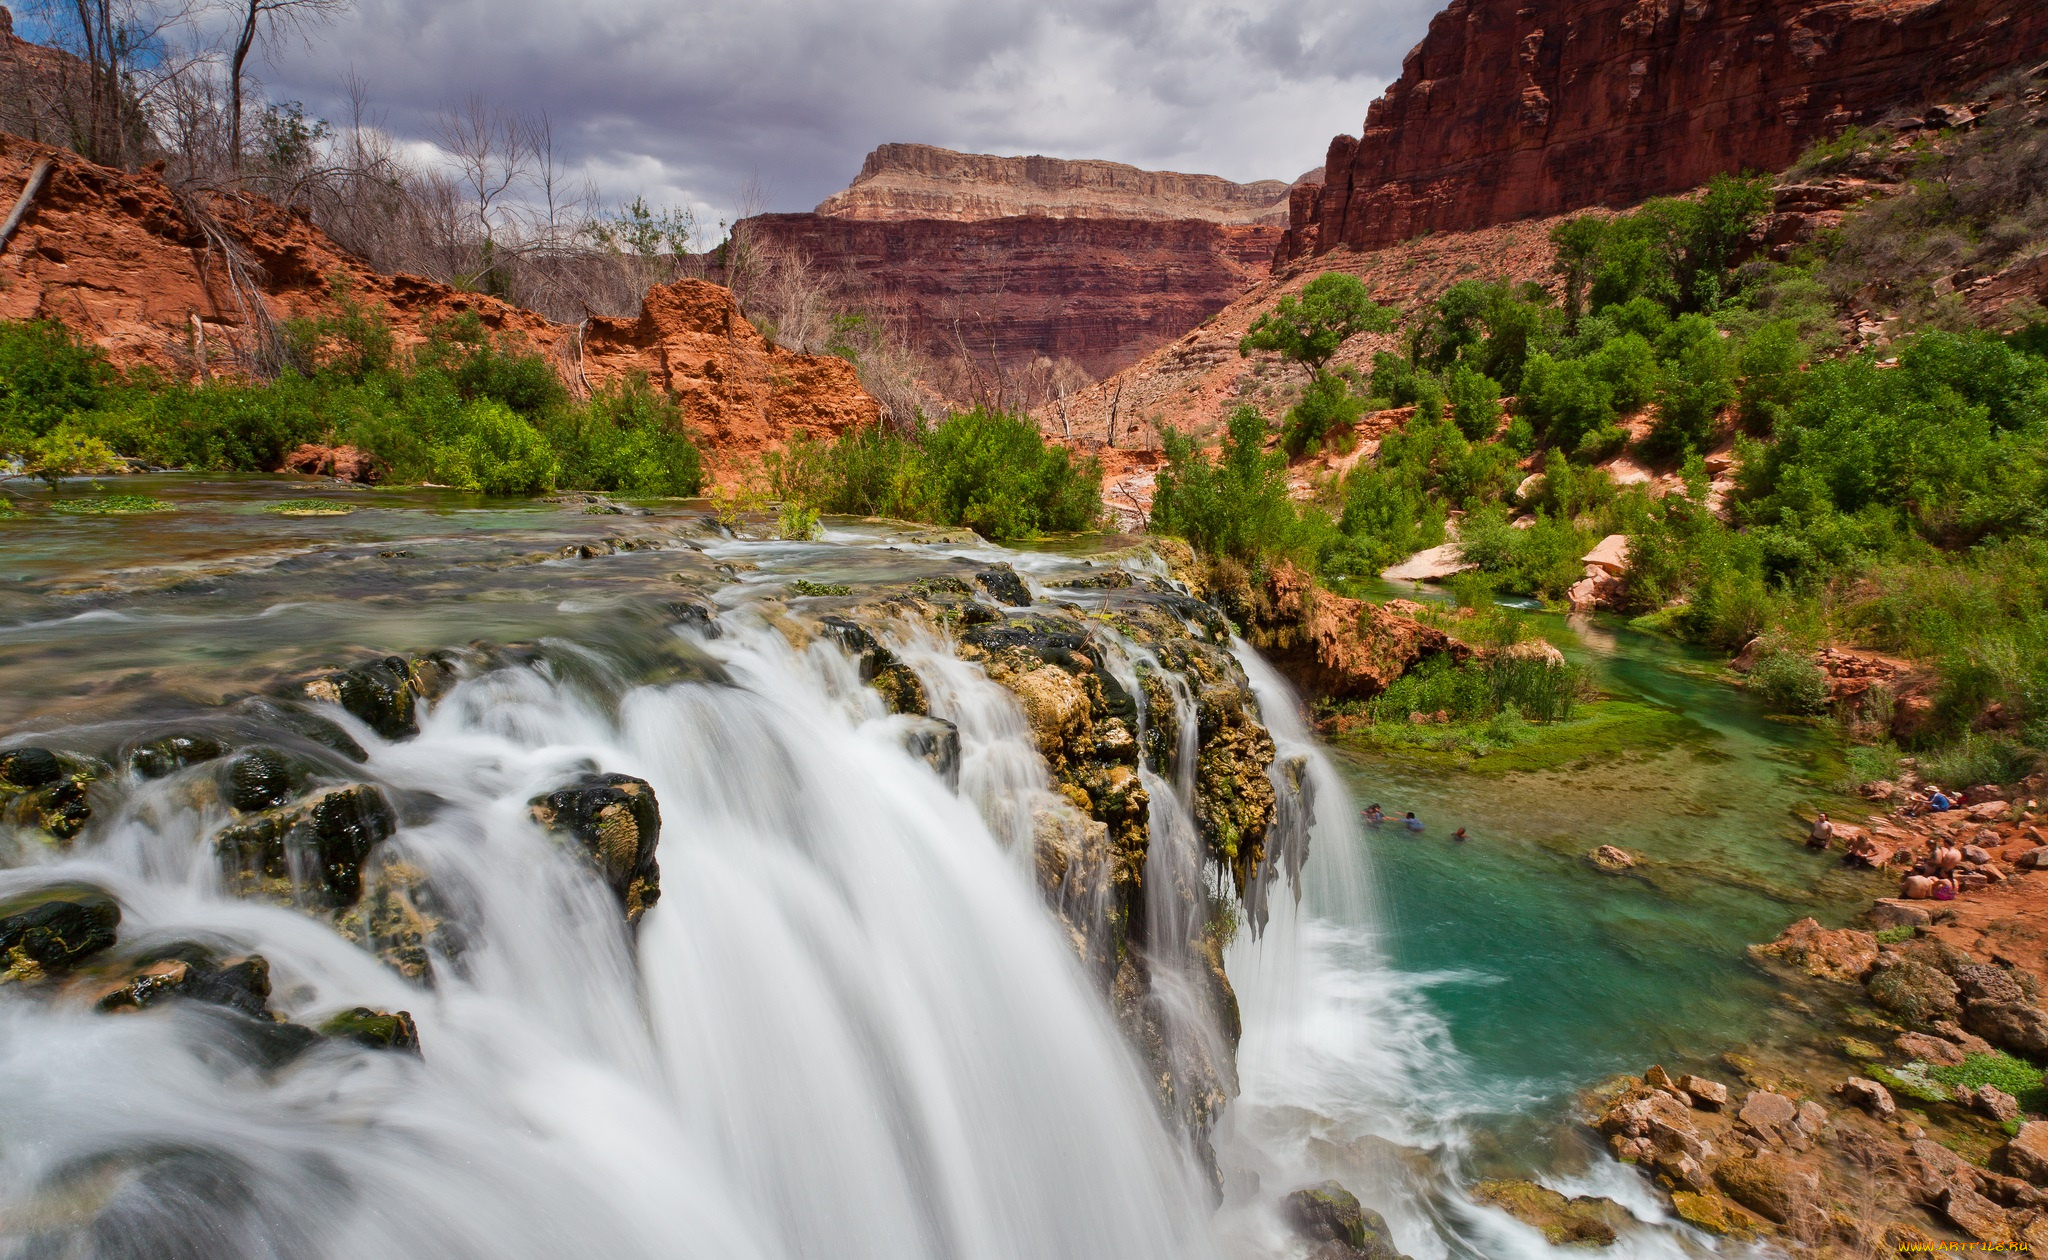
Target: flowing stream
850,1027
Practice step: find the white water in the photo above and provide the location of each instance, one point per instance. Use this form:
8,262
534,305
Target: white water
851,1029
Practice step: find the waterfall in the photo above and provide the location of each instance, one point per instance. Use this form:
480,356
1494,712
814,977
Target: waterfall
847,1029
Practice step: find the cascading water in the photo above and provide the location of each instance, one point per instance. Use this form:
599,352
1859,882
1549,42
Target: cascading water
849,1027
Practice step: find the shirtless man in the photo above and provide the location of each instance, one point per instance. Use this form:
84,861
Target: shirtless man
1947,857
1822,834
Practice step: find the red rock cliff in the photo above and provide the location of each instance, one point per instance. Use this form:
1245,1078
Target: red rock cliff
125,262
918,181
1515,108
1100,291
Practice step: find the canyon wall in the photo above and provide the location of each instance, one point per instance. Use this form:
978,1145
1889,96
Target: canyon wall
1511,109
918,181
129,264
1099,291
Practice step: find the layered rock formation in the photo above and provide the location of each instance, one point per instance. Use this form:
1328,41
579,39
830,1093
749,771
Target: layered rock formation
1100,291
918,181
1508,111
192,286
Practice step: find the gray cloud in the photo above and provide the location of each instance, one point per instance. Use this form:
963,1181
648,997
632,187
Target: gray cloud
687,100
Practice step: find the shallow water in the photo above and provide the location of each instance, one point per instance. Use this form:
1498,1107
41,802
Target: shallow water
851,1028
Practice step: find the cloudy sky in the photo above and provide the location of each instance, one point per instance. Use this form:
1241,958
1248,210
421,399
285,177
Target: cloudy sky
687,101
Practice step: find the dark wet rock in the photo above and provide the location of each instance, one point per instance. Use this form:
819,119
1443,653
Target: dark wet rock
936,742
380,693
167,754
1051,641
262,778
56,934
239,984
272,715
1107,580
377,1030
697,617
1330,1215
319,844
615,818
1584,1219
24,768
1003,583
854,638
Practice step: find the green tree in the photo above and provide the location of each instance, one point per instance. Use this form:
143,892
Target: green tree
1332,309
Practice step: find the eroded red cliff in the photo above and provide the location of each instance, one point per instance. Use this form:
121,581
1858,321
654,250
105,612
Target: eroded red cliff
1510,109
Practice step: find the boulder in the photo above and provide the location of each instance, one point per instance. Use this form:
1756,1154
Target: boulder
2020,1027
616,820
1712,1213
45,790
936,742
1768,1115
192,973
1706,1095
1912,990
376,1030
1331,1215
1895,912
1003,583
1935,1050
381,694
1974,1214
1841,955
1869,1095
23,768
2026,1155
1989,811
1981,982
1563,1221
1766,1183
1990,1102
1612,859
38,937
168,754
262,778
319,844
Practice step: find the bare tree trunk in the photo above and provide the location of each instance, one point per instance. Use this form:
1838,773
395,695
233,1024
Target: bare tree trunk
245,40
29,192
1113,404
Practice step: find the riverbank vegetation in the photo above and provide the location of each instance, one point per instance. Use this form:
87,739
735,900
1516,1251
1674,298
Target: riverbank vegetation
464,409
1888,496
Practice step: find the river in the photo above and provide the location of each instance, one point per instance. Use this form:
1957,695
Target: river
849,1027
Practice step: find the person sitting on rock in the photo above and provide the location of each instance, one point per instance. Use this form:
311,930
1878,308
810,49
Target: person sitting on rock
1938,800
1917,887
1413,823
1373,814
1945,890
1946,859
1822,833
1862,854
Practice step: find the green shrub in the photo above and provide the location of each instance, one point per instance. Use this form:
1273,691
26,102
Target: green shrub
1237,506
46,374
1327,406
1978,759
1894,935
1333,308
628,440
1475,402
1789,682
994,473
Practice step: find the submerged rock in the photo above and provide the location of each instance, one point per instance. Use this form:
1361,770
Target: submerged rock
377,1030
45,791
380,693
262,778
319,843
1584,1219
1003,583
1842,955
239,984
167,754
1332,1216
308,726
936,742
615,818
55,934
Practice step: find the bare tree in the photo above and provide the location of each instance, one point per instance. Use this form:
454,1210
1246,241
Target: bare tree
266,20
118,48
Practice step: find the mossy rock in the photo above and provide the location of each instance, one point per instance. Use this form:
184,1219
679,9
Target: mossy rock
1913,990
902,691
379,693
1859,1050
323,840
306,507
1713,1214
1585,1219
45,790
1003,583
376,1030
1328,1213
167,754
617,822
191,972
55,930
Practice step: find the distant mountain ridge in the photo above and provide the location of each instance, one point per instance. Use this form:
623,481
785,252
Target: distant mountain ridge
920,181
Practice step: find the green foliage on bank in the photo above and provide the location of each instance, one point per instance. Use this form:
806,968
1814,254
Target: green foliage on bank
464,409
990,471
1893,497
